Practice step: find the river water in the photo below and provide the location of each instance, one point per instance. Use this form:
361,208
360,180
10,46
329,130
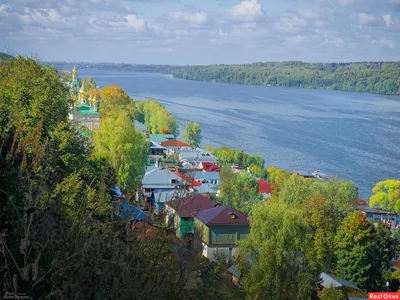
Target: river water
353,135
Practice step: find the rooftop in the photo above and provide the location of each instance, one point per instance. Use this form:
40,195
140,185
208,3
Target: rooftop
159,138
329,280
84,109
174,143
222,215
187,208
158,178
264,187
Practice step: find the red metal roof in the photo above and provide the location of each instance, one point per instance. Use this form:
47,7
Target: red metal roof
360,202
222,215
210,167
174,143
264,186
187,208
188,179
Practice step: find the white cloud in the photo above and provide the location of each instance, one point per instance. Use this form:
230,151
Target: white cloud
197,18
366,19
388,20
345,2
247,11
388,43
289,23
339,41
219,33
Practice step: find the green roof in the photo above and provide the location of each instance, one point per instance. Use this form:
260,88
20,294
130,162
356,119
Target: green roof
84,109
159,138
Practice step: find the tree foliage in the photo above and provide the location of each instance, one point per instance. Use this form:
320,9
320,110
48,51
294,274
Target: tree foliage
364,252
227,155
239,191
192,134
154,116
113,97
387,195
273,258
371,77
123,147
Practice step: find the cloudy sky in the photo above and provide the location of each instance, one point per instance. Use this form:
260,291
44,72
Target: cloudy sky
201,31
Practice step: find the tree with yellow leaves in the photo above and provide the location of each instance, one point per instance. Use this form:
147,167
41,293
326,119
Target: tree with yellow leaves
113,97
387,195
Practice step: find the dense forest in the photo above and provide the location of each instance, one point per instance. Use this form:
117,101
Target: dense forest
165,69
370,77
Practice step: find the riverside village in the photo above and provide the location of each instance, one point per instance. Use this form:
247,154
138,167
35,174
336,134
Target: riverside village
182,188
106,196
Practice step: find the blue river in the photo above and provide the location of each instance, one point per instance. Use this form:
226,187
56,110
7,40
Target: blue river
352,135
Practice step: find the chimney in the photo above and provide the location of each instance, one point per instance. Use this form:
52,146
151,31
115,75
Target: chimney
208,195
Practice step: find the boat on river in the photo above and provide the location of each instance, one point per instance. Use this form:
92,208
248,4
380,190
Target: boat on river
320,175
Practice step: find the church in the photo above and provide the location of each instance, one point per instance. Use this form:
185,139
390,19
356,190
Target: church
86,103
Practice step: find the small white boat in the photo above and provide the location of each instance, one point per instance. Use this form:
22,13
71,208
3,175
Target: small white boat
320,175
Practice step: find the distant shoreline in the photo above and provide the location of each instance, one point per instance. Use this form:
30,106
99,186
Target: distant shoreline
381,78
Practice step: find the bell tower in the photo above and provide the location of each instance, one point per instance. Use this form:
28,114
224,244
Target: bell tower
74,74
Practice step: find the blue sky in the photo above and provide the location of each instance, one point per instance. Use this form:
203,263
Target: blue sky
201,32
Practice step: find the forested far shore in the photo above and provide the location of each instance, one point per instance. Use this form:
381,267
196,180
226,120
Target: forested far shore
368,77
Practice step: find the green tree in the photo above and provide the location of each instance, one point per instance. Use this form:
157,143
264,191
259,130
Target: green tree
332,294
29,93
340,193
192,134
113,97
239,191
387,195
385,249
272,260
353,244
123,147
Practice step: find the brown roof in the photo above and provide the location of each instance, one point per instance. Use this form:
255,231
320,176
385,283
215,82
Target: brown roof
174,143
187,208
222,215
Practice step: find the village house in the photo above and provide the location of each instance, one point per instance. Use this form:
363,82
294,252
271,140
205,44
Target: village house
329,280
206,177
140,126
159,178
172,146
179,213
209,167
206,188
377,215
196,156
217,231
264,188
157,151
159,138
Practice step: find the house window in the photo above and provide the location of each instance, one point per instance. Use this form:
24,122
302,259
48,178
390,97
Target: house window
230,236
174,181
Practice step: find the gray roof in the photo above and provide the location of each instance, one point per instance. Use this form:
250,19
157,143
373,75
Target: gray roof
156,145
234,271
205,175
165,195
373,210
139,125
329,280
206,188
198,156
158,178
